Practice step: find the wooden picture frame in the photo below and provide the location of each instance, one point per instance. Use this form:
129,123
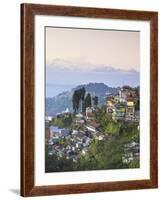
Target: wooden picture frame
28,13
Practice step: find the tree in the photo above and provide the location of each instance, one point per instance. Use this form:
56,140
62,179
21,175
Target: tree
95,101
78,96
75,100
88,102
82,96
137,105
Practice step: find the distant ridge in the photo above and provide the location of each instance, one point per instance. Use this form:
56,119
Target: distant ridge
63,100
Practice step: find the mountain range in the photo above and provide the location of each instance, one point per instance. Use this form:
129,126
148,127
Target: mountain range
63,100
63,75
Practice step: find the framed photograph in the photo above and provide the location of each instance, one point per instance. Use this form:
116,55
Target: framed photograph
88,99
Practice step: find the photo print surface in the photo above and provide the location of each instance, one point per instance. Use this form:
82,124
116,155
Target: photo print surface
92,105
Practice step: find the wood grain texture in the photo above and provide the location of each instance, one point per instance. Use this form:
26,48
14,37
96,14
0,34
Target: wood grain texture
28,11
27,101
154,100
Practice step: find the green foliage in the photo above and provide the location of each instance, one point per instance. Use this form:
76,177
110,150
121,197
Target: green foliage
137,105
106,123
95,101
62,122
112,127
53,164
57,122
88,101
134,164
105,154
75,100
101,115
108,154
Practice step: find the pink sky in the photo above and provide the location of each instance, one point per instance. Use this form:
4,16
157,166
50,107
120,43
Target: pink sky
118,49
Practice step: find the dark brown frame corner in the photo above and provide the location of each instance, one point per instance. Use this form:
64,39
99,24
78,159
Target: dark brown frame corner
28,12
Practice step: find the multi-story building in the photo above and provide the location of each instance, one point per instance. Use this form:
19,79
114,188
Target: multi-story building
130,109
119,112
122,106
110,104
124,92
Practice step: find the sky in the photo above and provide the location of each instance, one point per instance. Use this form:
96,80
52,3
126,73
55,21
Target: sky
79,56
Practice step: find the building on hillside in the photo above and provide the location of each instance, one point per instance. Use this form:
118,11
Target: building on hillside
137,116
119,112
48,118
89,112
122,106
84,151
74,132
86,141
55,131
135,93
110,104
130,109
79,116
132,152
99,136
124,92
79,136
66,113
91,128
116,98
64,133
80,120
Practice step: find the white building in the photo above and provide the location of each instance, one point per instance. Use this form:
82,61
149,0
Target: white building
48,118
91,128
89,111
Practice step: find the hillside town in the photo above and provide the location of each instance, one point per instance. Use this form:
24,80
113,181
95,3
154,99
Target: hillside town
69,135
124,105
